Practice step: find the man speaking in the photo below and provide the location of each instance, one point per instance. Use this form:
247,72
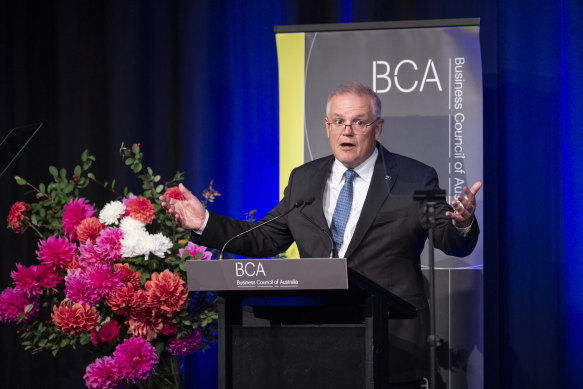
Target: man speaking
361,196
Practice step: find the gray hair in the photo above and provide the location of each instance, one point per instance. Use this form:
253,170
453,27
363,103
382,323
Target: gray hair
359,90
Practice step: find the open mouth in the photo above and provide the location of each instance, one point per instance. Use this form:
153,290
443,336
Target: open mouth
346,145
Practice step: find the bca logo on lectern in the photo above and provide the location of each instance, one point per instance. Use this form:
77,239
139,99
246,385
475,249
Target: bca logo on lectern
249,269
406,76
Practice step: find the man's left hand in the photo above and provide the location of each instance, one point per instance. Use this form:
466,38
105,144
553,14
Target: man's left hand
464,207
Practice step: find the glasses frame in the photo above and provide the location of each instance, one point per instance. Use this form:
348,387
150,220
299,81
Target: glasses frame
359,132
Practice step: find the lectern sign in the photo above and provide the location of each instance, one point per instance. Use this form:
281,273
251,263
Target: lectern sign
264,274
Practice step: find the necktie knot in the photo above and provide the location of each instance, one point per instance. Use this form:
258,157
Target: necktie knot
349,175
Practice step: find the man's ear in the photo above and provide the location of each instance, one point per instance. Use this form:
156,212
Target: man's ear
379,129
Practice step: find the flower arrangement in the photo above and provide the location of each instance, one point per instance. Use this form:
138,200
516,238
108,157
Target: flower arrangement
111,280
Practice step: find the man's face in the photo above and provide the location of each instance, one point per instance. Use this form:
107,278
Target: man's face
349,148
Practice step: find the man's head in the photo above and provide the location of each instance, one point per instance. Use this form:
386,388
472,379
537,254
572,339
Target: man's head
353,123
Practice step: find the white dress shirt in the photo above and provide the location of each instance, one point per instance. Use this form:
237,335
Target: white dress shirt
332,191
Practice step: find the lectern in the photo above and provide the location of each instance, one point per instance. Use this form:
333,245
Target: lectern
299,323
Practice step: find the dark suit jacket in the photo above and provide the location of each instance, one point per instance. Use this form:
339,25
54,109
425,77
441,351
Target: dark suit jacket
385,247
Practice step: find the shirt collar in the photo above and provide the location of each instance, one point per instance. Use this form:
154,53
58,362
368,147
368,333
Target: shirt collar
364,170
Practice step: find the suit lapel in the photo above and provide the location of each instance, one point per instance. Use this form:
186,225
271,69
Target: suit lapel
383,179
316,210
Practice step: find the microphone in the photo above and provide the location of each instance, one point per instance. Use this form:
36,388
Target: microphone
18,142
296,205
326,232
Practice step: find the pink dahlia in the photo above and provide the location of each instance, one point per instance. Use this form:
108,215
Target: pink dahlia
140,208
131,196
13,303
104,280
174,193
194,249
78,289
103,374
74,318
89,229
145,323
47,276
109,244
136,359
26,280
75,212
186,345
16,216
56,252
88,255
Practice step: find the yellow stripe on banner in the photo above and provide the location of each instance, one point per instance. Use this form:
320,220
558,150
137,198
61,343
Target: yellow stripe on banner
290,55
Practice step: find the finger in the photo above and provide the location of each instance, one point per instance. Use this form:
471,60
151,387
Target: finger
188,194
461,210
467,202
476,187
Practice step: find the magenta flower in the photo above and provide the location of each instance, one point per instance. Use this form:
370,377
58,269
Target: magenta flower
194,249
136,359
186,345
13,303
47,276
26,280
103,374
78,289
104,280
131,196
88,255
75,212
56,252
109,244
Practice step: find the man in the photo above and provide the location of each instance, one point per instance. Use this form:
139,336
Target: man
362,195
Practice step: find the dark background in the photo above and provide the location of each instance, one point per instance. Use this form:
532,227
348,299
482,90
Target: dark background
195,82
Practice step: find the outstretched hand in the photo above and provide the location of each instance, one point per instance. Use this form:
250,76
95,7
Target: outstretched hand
464,207
189,213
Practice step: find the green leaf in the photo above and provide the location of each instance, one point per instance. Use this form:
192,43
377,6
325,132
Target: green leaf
136,167
159,188
129,161
84,155
86,165
91,175
136,149
84,339
150,172
77,171
64,342
41,187
28,308
112,184
34,220
20,181
157,178
55,351
53,170
63,173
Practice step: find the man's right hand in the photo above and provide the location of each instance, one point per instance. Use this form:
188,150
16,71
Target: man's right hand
189,213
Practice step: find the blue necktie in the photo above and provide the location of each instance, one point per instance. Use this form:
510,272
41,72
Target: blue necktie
342,210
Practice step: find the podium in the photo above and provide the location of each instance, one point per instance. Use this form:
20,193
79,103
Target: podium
299,323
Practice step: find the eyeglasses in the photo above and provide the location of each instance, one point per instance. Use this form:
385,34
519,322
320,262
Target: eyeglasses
358,126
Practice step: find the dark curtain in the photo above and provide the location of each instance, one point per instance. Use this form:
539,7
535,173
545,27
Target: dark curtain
195,82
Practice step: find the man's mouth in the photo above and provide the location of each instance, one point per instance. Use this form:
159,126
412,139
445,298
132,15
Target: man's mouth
346,145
